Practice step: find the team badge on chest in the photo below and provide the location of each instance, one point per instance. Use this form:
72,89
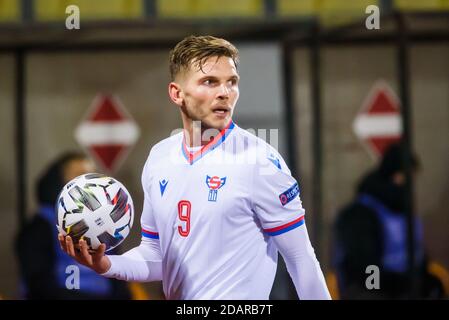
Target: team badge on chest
214,183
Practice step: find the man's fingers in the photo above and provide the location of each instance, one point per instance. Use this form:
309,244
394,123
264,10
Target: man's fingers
99,253
84,251
83,255
70,246
62,242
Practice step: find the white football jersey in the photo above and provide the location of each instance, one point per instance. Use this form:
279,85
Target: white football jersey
214,212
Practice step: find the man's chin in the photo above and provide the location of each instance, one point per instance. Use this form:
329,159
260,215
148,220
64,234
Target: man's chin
218,124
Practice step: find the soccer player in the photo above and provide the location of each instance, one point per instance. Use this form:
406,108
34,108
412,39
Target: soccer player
219,203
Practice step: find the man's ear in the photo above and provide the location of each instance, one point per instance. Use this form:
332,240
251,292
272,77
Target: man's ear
175,93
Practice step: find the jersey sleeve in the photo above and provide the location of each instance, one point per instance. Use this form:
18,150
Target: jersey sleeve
147,221
276,195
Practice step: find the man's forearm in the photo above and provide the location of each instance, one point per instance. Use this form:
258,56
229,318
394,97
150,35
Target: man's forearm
142,263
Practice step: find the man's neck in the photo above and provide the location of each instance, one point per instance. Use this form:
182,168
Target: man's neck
196,135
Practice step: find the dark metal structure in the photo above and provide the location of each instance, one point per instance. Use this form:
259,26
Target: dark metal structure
403,37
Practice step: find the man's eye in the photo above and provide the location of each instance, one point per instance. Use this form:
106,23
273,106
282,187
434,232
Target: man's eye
208,82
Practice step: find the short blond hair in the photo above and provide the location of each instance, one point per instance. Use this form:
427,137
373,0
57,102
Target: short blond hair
195,50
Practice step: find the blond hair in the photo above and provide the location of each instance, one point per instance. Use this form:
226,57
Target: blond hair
195,50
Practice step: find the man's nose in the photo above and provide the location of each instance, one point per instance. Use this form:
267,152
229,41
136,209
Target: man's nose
223,92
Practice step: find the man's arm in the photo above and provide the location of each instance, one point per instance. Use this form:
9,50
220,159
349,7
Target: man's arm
142,263
302,264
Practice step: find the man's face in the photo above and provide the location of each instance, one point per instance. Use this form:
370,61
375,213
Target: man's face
77,167
209,95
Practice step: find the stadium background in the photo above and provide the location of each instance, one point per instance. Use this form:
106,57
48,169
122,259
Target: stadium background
306,67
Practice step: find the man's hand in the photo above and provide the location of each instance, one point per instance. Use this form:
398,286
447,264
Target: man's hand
96,260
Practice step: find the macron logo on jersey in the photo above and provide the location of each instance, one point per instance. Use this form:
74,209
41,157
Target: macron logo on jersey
275,161
289,194
214,183
162,185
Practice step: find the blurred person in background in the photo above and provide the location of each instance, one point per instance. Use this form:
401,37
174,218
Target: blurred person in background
372,230
43,265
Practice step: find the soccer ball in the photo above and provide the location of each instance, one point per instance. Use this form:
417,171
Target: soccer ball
95,208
